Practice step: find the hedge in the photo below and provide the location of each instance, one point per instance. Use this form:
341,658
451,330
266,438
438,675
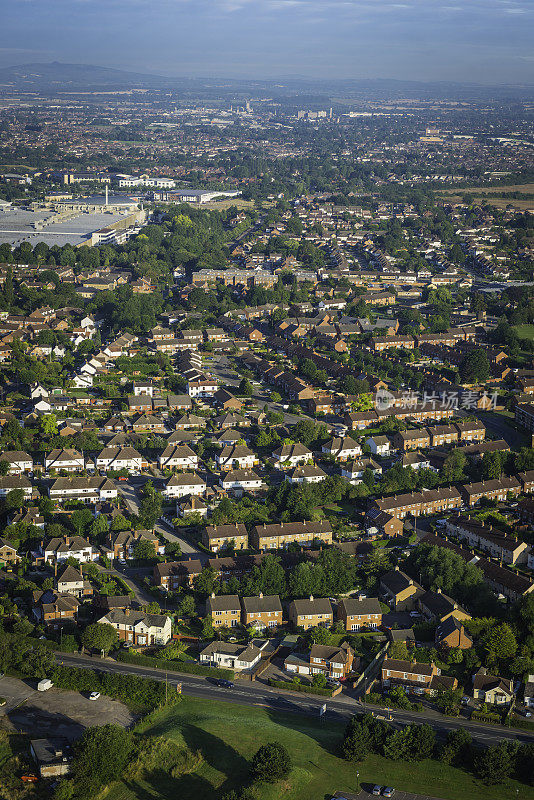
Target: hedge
300,687
516,722
187,667
481,716
133,690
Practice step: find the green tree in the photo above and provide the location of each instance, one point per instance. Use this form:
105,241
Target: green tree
271,763
48,426
15,499
494,764
101,756
99,636
475,367
245,388
499,643
144,549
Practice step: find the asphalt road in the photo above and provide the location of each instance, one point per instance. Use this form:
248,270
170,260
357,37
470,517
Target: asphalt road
256,694
128,491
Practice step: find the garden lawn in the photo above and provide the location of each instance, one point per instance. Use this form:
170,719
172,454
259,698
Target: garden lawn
524,331
228,735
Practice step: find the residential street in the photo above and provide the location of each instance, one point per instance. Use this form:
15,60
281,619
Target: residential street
257,694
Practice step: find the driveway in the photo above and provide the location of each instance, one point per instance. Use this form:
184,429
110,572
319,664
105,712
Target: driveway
56,712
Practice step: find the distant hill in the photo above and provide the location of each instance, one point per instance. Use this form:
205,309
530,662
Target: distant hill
75,77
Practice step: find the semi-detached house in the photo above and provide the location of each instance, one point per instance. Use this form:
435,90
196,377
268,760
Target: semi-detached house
18,461
117,458
139,628
88,490
313,612
279,535
61,548
178,457
183,484
67,460
236,456
9,483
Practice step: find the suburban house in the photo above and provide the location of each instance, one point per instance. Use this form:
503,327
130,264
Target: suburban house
492,688
55,609
224,610
415,677
356,614
8,553
239,657
497,489
342,448
236,457
19,462
353,471
88,490
117,458
493,541
8,483
68,460
178,457
139,628
308,473
415,439
451,633
240,480
122,544
71,581
61,548
398,590
219,537
331,661
183,484
438,606
277,535
311,613
429,501
379,445
261,611
290,455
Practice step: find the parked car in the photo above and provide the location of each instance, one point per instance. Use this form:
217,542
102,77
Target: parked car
224,683
388,791
377,790
94,695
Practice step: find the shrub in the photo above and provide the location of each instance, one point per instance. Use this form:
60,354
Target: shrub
271,762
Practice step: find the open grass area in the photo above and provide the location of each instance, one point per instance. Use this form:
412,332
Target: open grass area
228,735
524,331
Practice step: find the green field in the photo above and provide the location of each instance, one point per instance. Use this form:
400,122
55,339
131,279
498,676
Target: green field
228,735
524,331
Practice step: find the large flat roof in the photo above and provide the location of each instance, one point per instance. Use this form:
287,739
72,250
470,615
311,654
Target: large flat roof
17,225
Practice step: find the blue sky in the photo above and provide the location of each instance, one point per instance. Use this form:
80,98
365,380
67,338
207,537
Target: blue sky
485,41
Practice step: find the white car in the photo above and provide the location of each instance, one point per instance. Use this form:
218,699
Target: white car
94,695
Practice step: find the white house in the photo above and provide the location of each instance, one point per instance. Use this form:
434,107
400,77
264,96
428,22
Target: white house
342,448
379,445
236,456
87,490
19,461
68,460
308,473
61,548
201,387
183,484
9,483
117,458
290,455
139,628
240,480
228,655
178,456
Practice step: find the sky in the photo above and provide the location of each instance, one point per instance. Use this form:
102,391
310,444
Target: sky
476,41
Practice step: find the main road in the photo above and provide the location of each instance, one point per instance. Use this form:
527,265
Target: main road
339,709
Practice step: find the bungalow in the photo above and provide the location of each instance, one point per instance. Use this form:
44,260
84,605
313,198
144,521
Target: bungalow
415,677
239,657
492,689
